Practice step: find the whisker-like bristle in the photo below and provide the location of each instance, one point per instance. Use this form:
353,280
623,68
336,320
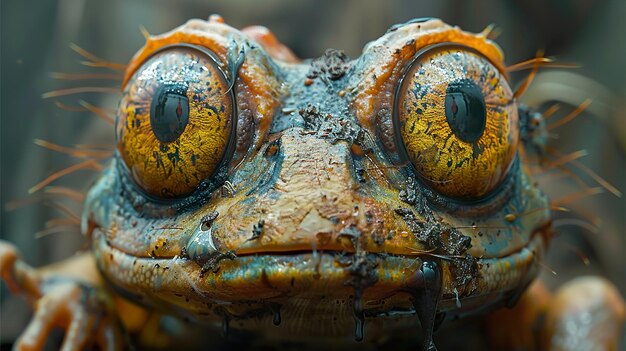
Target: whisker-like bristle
551,208
80,90
582,107
96,61
574,176
540,62
61,221
87,164
583,257
565,159
49,193
19,203
601,181
526,83
551,177
107,115
511,217
530,63
74,152
81,76
550,111
577,196
491,32
64,209
56,230
580,166
71,108
65,192
110,66
485,32
144,32
546,267
564,172
100,112
529,79
431,253
419,250
102,147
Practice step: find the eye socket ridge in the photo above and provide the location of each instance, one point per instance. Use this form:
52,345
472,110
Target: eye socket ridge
465,111
173,99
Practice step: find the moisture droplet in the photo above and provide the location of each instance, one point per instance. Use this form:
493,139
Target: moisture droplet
359,317
425,299
358,330
225,326
275,308
276,319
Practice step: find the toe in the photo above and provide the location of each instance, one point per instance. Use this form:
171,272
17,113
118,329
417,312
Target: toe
109,336
45,318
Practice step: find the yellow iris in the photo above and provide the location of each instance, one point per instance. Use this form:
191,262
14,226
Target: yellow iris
174,122
458,122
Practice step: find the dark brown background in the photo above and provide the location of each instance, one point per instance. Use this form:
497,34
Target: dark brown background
34,42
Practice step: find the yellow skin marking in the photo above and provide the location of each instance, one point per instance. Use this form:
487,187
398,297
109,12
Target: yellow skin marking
175,169
450,165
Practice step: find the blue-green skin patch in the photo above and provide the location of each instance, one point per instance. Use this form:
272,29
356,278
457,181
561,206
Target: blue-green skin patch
368,229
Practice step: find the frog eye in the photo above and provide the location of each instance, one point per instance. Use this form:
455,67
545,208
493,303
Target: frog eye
174,122
457,119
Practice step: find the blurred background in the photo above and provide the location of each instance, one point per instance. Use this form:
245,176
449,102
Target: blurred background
36,37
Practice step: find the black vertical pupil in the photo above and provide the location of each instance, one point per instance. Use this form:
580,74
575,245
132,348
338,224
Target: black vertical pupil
465,110
169,112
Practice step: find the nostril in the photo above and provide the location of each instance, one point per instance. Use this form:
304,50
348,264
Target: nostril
207,220
202,245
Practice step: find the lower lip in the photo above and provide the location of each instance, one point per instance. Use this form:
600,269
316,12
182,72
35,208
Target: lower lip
177,282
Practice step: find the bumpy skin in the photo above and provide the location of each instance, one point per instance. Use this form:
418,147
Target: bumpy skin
314,219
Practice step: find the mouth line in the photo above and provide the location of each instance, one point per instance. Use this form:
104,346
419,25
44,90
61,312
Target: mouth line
335,252
202,246
537,234
513,266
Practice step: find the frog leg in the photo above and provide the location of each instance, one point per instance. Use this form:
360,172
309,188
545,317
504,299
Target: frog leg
586,313
65,295
517,328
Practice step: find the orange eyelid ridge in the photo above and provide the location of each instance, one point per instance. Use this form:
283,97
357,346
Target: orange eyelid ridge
169,157
189,33
458,159
401,47
255,82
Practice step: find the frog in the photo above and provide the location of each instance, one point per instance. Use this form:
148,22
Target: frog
329,201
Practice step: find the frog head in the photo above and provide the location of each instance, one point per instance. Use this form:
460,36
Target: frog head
252,186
